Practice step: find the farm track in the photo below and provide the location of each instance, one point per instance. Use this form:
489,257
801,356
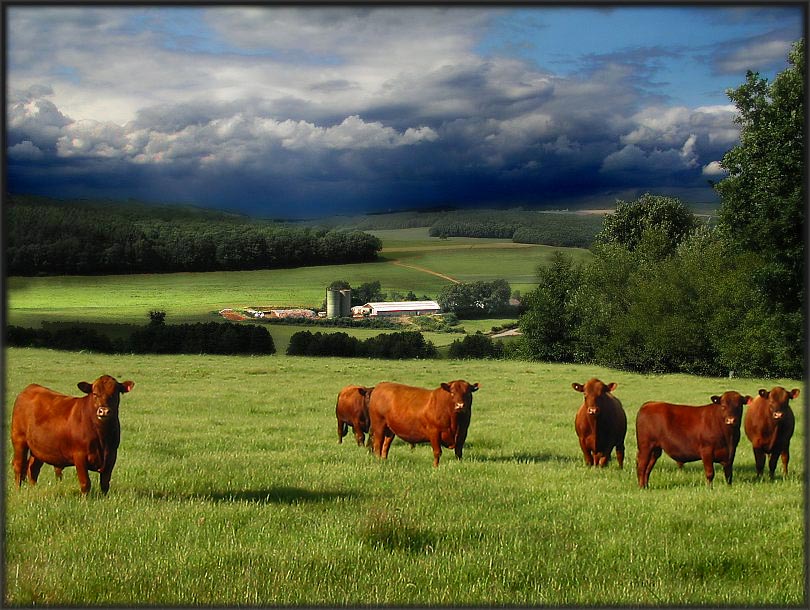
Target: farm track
424,270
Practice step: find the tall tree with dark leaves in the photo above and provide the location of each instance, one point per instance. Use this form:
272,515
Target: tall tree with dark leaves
763,196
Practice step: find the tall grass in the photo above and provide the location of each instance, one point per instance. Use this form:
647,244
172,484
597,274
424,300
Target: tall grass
231,489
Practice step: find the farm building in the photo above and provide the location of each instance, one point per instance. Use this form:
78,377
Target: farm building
397,308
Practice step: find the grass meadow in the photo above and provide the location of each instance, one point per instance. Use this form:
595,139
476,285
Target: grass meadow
231,489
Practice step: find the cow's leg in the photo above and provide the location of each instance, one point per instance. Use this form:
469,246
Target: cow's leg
708,467
641,467
436,443
461,436
58,472
620,455
646,460
772,461
20,461
81,473
759,459
34,466
586,452
343,429
728,470
602,459
359,435
785,459
388,437
377,438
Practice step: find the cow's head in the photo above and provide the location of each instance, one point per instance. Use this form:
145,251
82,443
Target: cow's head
731,406
778,400
106,393
461,393
594,390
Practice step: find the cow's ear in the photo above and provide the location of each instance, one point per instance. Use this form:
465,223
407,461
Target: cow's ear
578,387
474,387
716,400
612,386
747,400
362,391
794,393
446,387
85,387
126,386
764,393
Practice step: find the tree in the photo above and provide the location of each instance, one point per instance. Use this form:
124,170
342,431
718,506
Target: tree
368,293
762,197
550,321
762,212
475,298
654,223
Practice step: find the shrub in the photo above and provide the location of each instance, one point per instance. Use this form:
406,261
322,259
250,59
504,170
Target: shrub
476,346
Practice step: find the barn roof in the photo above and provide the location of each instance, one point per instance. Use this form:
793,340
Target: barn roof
404,305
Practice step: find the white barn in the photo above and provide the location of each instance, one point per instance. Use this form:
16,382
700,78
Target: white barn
397,308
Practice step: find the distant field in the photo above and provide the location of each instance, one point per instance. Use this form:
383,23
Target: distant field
231,490
192,297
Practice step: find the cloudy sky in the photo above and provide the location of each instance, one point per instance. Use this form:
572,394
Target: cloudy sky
283,111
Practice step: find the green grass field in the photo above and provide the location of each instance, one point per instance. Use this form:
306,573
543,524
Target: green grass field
231,489
196,297
193,296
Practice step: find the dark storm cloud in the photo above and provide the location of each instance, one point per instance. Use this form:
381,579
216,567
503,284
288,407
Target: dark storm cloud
296,112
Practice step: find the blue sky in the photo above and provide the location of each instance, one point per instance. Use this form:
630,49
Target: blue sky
288,111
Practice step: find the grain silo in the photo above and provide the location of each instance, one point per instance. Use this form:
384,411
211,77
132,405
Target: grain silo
333,303
346,303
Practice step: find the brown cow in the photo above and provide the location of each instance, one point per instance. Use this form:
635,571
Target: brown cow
352,410
709,433
417,415
66,431
769,424
600,423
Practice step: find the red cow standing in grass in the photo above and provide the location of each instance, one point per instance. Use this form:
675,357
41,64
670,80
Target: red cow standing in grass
769,424
352,410
51,428
417,415
600,423
709,433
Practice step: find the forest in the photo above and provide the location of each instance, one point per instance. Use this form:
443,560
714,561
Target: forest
53,237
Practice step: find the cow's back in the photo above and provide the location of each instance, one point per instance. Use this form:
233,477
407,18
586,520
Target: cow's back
397,399
404,409
39,406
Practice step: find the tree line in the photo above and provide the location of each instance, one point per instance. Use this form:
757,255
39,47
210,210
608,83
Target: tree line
561,229
52,238
155,338
397,345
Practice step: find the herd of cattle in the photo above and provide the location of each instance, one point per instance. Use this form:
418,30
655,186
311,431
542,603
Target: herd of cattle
708,433
51,428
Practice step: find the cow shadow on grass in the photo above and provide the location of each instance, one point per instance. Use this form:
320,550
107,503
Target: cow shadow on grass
270,495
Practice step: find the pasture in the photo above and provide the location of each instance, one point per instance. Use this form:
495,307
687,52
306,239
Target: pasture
231,489
191,297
